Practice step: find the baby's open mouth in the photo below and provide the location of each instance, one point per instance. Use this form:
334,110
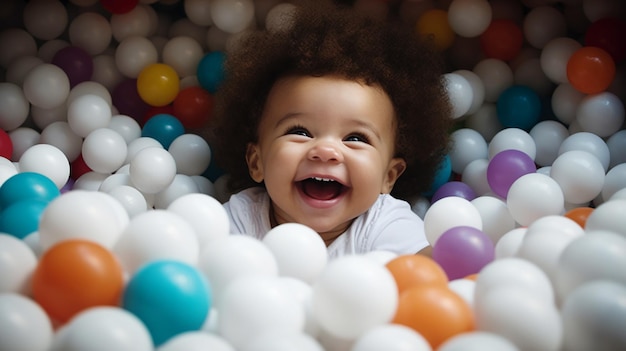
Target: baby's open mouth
321,188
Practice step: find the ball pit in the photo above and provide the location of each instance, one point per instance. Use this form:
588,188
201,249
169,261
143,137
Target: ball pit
102,103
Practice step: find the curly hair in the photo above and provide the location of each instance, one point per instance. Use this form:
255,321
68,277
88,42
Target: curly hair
333,39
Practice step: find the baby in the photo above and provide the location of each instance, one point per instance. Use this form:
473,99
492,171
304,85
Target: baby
334,123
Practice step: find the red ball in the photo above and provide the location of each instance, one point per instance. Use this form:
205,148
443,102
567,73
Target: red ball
119,6
607,34
502,40
78,167
6,145
193,107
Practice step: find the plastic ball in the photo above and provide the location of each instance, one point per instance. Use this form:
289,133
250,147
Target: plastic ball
534,195
139,22
442,175
198,12
210,71
46,86
92,32
586,141
76,63
579,174
133,201
193,106
158,84
14,43
434,311
521,317
200,209
608,216
279,17
469,18
183,54
23,138
27,186
519,106
127,100
601,114
170,297
462,251
14,108
133,54
234,256
181,185
415,270
232,16
478,341
82,214
509,243
256,306
542,24
104,150
590,70
89,87
17,264
505,168
475,175
449,212
512,139
555,56
75,275
468,145
353,283
125,126
165,128
548,136
47,160
591,310
454,188
614,181
299,251
434,23
22,218
196,341
496,218
391,337
459,92
24,325
152,170
605,33
118,6
191,153
87,113
496,76
502,40
617,146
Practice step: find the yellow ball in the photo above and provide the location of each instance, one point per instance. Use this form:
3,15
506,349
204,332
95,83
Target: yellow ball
435,22
158,84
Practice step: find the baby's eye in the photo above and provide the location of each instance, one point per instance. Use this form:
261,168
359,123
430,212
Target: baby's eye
298,130
357,137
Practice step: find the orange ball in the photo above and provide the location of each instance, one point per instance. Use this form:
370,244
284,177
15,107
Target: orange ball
435,22
502,40
415,270
579,215
434,311
590,70
74,275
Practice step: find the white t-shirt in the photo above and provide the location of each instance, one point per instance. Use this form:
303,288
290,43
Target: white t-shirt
389,225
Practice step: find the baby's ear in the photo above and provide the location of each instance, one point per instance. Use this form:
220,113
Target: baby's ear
394,171
253,159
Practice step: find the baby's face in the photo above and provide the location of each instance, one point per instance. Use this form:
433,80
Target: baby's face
325,151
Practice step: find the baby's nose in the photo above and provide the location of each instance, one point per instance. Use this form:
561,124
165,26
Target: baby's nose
326,152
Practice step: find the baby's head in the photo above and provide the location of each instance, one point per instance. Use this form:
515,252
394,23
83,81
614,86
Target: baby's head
340,44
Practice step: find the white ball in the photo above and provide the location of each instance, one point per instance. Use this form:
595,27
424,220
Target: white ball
252,306
23,138
495,216
496,76
87,113
614,181
617,148
544,249
478,88
96,327
152,170
533,196
477,341
196,341
554,57
608,216
204,213
47,160
459,93
391,337
591,316
130,198
513,139
354,283
91,31
543,24
136,22
14,106
589,142
464,288
299,251
17,264
283,341
232,16
24,325
82,214
180,186
46,86
548,136
89,87
60,135
467,145
183,54
475,175
469,18
15,43
449,212
134,53
139,144
125,126
234,256
191,153
579,174
508,245
104,150
601,114
565,100
198,12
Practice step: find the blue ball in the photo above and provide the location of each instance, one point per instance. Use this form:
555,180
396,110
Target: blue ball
210,71
518,106
26,186
22,218
164,128
169,297
442,176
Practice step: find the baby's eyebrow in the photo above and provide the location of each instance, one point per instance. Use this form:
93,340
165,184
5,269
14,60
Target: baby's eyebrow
286,118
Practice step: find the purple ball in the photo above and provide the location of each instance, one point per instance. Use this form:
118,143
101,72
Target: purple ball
506,167
75,62
462,251
454,188
126,99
